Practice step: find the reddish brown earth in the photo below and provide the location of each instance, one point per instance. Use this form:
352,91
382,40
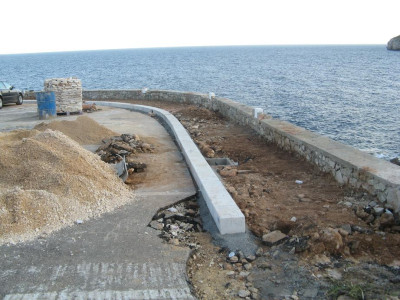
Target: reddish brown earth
264,187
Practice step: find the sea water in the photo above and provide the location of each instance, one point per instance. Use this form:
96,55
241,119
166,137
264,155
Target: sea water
348,93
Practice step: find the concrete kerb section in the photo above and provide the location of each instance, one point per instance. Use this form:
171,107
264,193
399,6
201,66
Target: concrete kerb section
348,165
226,214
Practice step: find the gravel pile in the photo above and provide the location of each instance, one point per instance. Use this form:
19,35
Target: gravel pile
48,181
83,130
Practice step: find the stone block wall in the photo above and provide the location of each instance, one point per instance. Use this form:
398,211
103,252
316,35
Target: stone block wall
68,93
347,165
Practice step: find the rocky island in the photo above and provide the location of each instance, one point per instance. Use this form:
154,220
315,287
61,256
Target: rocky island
394,43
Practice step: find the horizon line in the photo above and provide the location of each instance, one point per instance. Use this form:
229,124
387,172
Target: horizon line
194,46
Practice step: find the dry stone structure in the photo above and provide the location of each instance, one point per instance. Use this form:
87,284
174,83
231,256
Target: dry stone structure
68,94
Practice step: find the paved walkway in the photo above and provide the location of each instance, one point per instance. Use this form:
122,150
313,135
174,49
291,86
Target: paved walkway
113,257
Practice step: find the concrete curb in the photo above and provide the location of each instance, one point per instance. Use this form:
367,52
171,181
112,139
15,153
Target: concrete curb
226,214
346,164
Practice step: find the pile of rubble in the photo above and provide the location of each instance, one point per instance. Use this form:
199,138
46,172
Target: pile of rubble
89,108
176,222
181,225
114,149
377,216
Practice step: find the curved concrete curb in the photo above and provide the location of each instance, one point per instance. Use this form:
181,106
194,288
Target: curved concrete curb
226,214
347,165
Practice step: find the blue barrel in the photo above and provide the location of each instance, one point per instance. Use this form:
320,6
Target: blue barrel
46,102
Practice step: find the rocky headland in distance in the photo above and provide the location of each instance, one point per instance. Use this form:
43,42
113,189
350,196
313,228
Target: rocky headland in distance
394,43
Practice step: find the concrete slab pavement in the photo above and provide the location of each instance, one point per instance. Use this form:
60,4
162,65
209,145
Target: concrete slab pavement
226,214
115,256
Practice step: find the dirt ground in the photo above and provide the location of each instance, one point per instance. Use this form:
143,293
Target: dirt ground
333,245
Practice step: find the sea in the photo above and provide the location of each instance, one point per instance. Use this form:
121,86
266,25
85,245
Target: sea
348,93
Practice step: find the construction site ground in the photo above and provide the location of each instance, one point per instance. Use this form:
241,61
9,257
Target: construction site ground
331,248
328,250
115,256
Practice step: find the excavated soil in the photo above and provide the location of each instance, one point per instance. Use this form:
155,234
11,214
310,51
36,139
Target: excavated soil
48,181
332,247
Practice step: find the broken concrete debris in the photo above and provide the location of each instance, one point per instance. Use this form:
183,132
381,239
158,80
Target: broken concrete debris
176,222
125,145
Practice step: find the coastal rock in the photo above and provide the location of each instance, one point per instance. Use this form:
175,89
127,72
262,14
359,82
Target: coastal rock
394,44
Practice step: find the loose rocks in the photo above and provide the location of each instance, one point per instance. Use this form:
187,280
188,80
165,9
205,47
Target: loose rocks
176,223
126,145
228,172
273,237
244,293
332,240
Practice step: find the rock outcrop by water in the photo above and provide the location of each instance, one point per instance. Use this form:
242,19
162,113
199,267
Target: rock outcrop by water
394,44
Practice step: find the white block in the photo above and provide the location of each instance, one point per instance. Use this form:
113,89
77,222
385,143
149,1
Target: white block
257,111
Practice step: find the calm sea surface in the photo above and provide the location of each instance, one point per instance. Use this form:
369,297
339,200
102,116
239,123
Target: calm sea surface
349,93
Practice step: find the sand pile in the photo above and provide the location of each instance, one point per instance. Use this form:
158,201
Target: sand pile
48,181
84,130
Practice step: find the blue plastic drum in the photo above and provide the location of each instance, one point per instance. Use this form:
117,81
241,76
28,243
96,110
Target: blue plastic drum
46,102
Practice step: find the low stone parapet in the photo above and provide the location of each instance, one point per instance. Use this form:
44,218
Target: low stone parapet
348,165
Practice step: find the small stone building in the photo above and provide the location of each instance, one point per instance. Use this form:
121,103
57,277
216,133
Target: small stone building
68,93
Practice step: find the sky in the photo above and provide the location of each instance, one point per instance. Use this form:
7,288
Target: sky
31,26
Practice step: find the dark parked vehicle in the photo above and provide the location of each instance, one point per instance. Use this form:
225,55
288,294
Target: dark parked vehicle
9,94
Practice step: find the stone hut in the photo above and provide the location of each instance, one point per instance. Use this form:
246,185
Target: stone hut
68,93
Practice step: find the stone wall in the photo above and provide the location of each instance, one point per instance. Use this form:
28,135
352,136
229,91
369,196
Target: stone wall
348,165
68,93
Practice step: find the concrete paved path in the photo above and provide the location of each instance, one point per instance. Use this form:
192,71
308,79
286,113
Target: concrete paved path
115,256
